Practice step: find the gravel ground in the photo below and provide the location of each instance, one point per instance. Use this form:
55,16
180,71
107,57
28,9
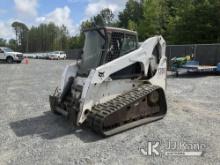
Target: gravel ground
31,134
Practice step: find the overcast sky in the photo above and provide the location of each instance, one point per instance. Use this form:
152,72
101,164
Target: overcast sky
68,12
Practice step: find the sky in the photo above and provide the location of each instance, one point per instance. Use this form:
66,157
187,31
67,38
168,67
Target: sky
62,12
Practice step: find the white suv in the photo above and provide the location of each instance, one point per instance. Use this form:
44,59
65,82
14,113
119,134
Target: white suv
57,55
10,56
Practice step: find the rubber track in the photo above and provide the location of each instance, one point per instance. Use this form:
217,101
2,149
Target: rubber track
99,112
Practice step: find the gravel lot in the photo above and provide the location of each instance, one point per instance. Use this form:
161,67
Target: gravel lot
31,134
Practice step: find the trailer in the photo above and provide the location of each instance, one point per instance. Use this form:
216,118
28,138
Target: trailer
182,64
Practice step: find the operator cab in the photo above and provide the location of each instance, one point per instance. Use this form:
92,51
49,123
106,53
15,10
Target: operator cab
105,44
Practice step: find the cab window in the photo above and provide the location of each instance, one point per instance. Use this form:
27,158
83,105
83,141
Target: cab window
120,44
115,45
129,44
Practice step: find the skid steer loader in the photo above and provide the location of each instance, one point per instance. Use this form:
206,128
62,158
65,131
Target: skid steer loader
118,84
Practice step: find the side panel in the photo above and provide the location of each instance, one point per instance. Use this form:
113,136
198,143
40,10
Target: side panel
100,93
160,78
70,71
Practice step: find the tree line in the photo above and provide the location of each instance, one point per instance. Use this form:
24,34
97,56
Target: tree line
180,22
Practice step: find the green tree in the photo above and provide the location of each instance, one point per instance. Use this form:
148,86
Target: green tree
195,22
180,22
98,20
3,42
155,18
133,12
48,37
12,44
76,42
132,25
107,16
21,32
104,18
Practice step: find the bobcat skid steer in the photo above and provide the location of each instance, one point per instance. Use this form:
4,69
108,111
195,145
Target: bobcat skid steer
118,84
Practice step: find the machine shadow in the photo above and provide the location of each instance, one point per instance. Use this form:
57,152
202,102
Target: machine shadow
50,126
3,62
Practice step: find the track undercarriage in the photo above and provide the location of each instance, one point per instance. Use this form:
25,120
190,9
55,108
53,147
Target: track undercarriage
141,105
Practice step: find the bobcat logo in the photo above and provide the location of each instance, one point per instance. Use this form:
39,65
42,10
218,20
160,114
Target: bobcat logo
101,74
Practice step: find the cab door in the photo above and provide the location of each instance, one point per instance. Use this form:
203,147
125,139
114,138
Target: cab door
2,56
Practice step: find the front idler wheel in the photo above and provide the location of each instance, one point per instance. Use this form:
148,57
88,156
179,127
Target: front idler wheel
153,98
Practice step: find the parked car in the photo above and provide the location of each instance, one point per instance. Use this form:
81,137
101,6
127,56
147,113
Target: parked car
28,55
10,56
41,56
57,55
